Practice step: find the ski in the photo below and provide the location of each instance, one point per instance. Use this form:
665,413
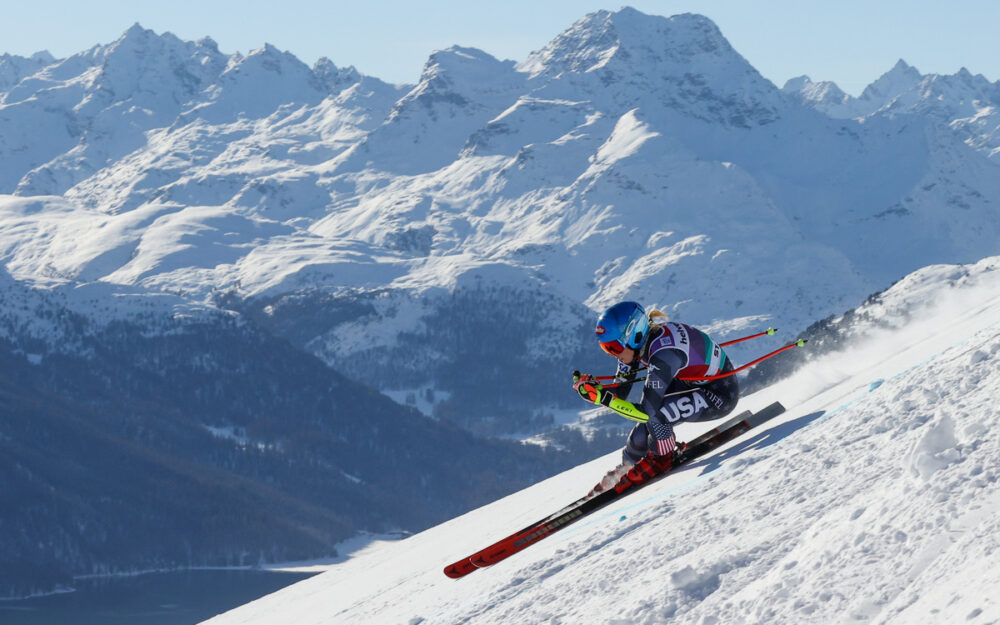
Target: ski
640,475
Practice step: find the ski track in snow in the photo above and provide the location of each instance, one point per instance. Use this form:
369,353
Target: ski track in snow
874,499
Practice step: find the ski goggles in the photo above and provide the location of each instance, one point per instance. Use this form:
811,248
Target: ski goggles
613,347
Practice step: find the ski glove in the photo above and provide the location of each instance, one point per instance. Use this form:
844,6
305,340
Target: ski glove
588,388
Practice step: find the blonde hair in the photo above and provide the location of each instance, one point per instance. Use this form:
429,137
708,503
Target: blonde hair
657,318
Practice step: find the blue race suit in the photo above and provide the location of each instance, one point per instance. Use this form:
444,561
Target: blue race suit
670,350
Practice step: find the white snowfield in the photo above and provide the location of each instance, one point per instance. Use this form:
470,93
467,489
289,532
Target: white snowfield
873,499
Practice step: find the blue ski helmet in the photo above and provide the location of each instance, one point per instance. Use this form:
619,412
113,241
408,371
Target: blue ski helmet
624,325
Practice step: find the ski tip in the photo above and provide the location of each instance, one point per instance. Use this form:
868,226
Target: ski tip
776,406
466,566
771,410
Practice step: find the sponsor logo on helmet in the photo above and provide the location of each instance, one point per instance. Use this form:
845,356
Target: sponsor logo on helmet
600,330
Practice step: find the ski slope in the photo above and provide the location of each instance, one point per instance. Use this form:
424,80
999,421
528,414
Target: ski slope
873,499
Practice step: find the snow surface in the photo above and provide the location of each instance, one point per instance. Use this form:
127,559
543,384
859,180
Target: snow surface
873,499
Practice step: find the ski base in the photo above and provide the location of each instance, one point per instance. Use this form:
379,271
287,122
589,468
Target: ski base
640,475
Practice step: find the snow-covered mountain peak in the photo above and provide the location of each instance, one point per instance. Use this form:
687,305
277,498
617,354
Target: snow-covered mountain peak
830,99
457,58
267,59
333,77
968,103
681,63
578,48
460,71
269,66
90,109
797,83
963,87
459,91
824,91
14,68
902,77
825,96
136,36
138,62
141,51
256,85
41,58
208,43
149,66
628,35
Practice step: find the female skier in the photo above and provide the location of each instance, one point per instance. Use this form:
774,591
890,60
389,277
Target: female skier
667,351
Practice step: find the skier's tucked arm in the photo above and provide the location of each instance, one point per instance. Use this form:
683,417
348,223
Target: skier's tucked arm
663,366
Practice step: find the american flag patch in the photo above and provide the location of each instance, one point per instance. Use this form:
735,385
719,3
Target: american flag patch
663,434
665,447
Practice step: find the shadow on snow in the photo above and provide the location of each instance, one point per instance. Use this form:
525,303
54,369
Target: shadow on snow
763,439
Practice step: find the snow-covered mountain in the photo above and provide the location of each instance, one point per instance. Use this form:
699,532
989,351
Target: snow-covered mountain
634,156
13,69
966,103
447,242
873,499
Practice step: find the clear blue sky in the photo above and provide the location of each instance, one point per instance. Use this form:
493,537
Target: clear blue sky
851,42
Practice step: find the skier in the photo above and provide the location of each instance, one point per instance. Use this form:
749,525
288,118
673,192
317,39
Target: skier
667,350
